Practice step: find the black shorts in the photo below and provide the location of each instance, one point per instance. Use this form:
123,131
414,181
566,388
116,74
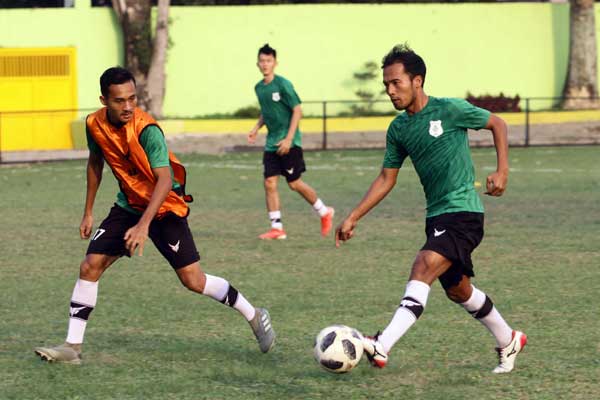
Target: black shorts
170,234
455,236
290,165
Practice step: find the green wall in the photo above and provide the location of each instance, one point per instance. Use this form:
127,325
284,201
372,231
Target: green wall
516,48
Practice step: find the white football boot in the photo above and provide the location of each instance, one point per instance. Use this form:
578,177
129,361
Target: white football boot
374,350
508,354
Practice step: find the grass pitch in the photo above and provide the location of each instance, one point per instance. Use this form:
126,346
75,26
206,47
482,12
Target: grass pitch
149,338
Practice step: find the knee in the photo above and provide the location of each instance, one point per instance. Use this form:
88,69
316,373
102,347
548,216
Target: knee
423,268
90,271
271,184
295,185
195,283
458,294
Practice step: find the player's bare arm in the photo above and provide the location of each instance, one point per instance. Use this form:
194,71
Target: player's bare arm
380,187
496,181
94,177
286,144
136,236
254,132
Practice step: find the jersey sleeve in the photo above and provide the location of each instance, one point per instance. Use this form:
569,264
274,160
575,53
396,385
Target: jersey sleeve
154,144
468,116
91,143
395,153
289,95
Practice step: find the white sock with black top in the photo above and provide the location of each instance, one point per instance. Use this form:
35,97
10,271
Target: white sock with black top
480,306
411,307
275,218
320,208
83,302
222,291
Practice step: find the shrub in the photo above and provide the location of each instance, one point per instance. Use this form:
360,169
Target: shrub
247,112
498,103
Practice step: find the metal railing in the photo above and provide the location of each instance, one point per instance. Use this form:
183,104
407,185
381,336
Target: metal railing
524,132
528,106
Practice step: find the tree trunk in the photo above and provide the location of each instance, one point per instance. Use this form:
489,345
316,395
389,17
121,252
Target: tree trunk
582,78
156,74
145,59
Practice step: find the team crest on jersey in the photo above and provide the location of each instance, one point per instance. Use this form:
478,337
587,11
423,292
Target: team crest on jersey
435,128
276,96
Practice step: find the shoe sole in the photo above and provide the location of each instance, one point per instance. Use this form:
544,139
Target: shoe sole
377,363
44,356
270,346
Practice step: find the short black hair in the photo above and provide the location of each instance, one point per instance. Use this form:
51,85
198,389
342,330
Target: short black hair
114,76
268,50
403,54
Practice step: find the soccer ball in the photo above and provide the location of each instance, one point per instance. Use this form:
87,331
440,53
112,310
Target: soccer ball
338,348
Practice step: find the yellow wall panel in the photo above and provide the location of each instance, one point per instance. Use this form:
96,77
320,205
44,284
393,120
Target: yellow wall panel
16,131
52,94
16,94
38,79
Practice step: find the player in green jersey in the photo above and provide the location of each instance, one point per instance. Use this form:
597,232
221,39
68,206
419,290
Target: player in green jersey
433,133
281,112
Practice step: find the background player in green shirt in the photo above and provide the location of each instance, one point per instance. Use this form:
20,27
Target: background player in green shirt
281,112
433,132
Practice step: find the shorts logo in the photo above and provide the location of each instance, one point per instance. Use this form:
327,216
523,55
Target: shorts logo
435,128
174,247
290,171
98,233
437,233
276,96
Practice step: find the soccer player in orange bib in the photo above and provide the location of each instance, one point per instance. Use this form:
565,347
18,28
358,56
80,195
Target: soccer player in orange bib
151,203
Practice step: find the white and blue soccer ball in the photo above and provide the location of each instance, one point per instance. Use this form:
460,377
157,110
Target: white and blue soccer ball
338,348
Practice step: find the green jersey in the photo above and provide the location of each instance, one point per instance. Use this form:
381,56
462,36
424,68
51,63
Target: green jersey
154,144
277,100
436,140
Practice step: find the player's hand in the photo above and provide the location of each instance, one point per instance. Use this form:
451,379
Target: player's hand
252,136
344,231
284,146
135,237
85,228
496,183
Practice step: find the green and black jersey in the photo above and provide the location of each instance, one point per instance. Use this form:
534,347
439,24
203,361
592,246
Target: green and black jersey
277,100
436,140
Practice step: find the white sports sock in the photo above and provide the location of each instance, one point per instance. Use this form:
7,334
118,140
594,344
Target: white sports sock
83,302
415,299
221,290
493,321
320,208
275,218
